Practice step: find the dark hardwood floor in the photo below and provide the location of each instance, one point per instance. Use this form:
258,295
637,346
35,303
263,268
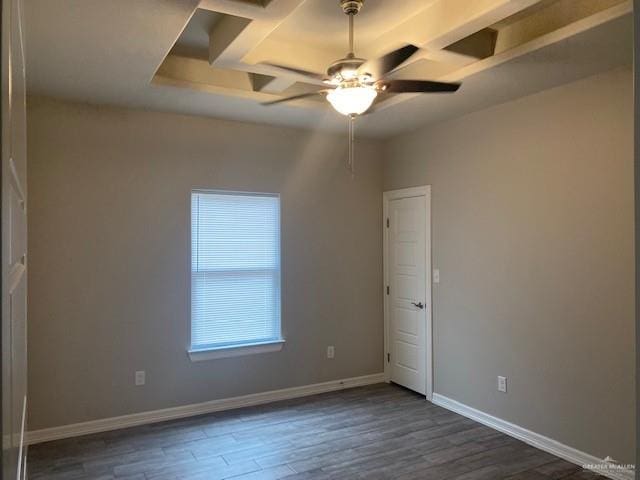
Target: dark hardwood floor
376,432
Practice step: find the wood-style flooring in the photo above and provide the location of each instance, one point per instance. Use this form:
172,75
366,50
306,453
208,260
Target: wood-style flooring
374,433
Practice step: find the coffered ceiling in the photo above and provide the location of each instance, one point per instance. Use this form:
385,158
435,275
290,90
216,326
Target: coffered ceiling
209,57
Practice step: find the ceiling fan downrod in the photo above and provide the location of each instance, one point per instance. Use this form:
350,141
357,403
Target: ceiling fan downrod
351,8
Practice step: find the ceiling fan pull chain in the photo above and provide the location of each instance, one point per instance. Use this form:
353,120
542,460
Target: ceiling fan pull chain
349,152
351,47
351,162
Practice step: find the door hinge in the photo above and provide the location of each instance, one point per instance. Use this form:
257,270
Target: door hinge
387,289
388,358
387,223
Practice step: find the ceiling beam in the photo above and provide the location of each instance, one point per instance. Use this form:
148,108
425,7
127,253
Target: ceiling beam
446,22
229,48
546,19
198,75
250,10
306,57
480,45
470,49
560,34
226,37
530,45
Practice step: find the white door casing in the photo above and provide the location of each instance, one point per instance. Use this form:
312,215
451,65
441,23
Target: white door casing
407,295
14,243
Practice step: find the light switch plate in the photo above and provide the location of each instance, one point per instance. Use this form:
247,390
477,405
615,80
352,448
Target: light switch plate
502,384
436,275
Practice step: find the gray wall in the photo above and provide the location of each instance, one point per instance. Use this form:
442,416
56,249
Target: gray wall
533,235
110,262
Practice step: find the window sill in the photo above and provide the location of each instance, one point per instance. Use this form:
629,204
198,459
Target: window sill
235,350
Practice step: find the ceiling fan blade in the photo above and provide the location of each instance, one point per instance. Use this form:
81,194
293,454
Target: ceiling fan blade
379,67
299,71
294,97
418,86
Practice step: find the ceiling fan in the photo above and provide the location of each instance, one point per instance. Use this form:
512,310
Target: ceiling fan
354,84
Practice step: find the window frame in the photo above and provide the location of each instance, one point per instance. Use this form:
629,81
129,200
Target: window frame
197,354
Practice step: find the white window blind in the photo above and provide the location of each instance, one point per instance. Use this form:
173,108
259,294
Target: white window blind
235,269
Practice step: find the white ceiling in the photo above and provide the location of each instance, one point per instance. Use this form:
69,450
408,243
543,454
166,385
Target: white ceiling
107,52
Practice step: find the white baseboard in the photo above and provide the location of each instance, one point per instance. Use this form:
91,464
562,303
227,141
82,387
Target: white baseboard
539,441
135,419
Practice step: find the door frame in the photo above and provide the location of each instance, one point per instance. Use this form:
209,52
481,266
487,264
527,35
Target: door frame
387,197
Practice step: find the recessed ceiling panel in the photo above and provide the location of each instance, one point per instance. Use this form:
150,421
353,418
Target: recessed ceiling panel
322,24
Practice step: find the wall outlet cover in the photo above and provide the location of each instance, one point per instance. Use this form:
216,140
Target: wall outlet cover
331,352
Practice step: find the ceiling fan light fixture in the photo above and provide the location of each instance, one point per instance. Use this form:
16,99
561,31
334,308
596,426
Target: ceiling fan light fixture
356,82
352,100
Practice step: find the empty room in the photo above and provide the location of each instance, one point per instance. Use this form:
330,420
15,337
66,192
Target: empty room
319,240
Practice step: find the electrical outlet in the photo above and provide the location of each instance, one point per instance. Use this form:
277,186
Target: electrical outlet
141,378
331,351
502,384
436,275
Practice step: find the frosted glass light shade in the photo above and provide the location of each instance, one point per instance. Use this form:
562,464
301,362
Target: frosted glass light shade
352,100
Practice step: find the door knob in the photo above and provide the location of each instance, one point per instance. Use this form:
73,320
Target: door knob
419,305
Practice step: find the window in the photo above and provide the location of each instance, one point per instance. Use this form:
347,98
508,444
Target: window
235,270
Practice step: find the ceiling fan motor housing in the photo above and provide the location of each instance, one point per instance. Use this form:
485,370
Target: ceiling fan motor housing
351,7
345,68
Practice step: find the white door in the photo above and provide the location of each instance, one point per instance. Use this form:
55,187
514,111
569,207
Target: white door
408,298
